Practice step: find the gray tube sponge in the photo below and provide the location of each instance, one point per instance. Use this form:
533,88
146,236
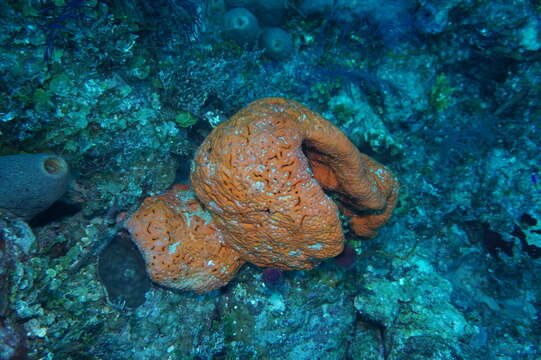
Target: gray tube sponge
278,44
30,183
241,26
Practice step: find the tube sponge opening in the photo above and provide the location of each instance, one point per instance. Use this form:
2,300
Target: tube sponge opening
55,166
30,183
241,26
277,43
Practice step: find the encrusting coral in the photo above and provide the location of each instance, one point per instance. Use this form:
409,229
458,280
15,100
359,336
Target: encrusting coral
259,182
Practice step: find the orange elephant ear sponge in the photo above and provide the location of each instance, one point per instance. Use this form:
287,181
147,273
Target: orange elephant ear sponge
180,244
262,173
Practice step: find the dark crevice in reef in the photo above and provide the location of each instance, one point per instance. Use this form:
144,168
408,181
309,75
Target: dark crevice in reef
57,211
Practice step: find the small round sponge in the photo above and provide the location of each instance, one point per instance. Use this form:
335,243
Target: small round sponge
241,26
30,183
277,43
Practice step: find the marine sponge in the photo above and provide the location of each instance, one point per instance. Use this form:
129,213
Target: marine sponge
180,244
241,26
262,173
30,183
259,181
277,43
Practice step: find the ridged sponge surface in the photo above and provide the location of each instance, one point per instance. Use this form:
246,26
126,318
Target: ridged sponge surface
30,183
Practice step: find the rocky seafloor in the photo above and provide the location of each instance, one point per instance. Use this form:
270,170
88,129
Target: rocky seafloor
444,93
